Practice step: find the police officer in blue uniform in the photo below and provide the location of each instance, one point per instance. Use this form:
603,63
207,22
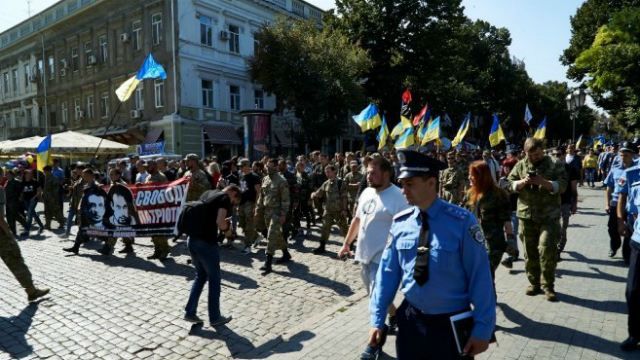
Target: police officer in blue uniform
436,254
614,181
630,194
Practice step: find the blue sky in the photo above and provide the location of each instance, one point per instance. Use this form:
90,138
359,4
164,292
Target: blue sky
540,29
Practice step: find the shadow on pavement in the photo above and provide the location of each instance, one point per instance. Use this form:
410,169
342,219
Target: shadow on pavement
581,258
301,271
241,348
555,333
610,306
597,274
13,331
170,267
595,213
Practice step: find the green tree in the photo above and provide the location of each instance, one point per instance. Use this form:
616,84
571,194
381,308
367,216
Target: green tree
612,66
315,72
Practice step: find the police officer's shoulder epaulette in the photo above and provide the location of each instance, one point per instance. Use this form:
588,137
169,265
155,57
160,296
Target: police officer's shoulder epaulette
403,214
634,168
455,211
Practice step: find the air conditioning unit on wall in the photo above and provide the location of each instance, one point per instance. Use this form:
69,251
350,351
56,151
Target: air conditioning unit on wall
224,35
124,37
136,114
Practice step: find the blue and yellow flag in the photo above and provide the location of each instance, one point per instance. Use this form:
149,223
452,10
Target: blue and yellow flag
149,70
462,131
432,131
527,115
496,135
400,127
407,139
383,134
541,131
369,118
43,153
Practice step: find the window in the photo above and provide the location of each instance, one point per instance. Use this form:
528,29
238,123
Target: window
14,80
156,28
206,32
27,117
52,67
75,64
102,43
256,44
26,76
234,39
138,100
136,37
76,109
5,83
207,93
104,105
158,87
234,97
258,96
90,106
88,51
65,112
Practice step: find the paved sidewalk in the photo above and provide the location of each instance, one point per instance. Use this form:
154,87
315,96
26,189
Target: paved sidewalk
588,322
126,307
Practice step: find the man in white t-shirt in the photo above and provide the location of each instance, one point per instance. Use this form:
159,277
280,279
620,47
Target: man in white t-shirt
377,206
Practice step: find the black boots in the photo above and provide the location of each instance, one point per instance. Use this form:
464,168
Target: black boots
320,249
286,257
266,268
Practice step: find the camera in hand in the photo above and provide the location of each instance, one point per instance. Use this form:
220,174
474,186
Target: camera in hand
532,173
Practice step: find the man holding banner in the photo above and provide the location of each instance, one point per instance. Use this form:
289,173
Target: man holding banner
160,243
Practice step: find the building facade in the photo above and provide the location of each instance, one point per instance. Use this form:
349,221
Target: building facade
59,70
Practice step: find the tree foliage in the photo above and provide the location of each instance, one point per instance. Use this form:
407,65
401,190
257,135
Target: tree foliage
612,67
315,72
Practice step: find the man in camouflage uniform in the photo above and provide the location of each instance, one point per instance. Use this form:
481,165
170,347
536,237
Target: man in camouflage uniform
462,162
273,206
451,181
51,199
352,180
334,193
539,182
199,182
12,257
75,194
160,243
249,188
288,228
303,206
318,178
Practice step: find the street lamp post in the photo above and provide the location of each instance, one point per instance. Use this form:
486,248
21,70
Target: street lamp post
575,100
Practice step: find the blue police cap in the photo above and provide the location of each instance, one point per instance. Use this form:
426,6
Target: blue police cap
413,163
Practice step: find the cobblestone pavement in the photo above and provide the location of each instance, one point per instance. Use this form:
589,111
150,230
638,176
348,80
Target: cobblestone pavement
127,307
588,322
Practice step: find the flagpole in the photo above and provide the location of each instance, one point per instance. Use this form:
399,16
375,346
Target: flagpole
106,129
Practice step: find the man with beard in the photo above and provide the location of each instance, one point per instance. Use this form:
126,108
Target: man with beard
539,181
377,206
91,209
123,212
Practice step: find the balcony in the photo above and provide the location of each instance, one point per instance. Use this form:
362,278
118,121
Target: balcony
23,132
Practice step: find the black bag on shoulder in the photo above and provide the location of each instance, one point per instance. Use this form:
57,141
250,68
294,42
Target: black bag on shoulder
192,219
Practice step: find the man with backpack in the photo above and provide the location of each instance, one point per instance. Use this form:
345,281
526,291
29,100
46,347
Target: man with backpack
203,247
334,194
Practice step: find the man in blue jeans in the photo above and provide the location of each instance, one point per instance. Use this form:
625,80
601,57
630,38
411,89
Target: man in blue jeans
205,256
31,193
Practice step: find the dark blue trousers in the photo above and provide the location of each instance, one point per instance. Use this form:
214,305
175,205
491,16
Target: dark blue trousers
425,337
633,291
205,257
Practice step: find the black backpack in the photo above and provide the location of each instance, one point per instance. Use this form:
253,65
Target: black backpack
192,219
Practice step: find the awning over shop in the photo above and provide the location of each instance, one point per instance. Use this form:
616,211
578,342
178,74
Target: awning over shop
129,136
154,135
223,134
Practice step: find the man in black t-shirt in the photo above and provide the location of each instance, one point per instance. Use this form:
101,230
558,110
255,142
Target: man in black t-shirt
569,198
205,254
31,193
249,188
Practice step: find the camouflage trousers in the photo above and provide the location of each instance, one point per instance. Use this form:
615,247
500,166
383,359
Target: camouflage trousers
247,222
275,239
540,250
111,241
12,257
160,245
496,245
565,210
330,218
53,211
